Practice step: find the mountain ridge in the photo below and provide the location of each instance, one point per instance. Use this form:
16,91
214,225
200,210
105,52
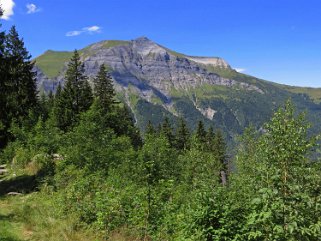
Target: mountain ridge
149,76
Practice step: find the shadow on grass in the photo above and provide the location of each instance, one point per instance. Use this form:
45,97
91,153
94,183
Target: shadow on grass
20,184
8,217
7,238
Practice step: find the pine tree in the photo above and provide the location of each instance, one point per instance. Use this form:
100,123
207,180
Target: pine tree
50,100
76,96
21,78
104,89
3,105
121,120
43,107
201,133
150,130
58,91
182,136
17,84
46,104
167,131
210,137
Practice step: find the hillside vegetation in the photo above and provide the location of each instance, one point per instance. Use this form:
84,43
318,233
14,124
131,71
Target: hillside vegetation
75,165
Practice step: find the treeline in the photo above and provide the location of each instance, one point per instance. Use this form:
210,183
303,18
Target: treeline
168,185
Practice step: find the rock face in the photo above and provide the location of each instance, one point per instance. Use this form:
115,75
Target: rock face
151,67
216,62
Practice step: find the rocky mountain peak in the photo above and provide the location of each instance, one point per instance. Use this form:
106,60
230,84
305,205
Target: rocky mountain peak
142,39
145,46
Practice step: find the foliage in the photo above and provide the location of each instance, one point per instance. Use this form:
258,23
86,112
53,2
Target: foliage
182,136
75,97
103,89
97,172
18,83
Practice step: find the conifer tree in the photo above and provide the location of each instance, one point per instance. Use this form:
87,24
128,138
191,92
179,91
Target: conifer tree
182,136
210,137
18,84
150,130
167,131
3,106
76,96
50,100
58,91
46,104
201,133
43,106
159,129
103,88
21,78
123,123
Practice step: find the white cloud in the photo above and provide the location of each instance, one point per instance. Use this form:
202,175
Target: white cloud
240,70
73,33
32,8
89,30
7,7
92,29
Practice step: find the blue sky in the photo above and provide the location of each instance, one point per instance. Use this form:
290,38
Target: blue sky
277,40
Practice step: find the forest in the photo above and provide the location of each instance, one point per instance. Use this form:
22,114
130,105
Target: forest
78,154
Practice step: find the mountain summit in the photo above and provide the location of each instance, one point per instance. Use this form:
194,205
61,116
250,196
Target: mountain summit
155,81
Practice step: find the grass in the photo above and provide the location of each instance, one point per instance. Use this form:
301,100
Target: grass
313,93
35,216
52,62
114,43
10,230
87,51
172,52
106,44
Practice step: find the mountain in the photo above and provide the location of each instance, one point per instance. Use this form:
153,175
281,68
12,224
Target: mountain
155,81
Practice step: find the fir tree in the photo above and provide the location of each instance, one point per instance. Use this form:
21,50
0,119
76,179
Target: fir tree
46,103
182,136
210,137
43,108
150,130
103,88
76,96
17,84
122,122
167,131
3,105
201,134
50,100
58,91
21,78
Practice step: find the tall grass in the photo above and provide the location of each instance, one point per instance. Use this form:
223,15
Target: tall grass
36,217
